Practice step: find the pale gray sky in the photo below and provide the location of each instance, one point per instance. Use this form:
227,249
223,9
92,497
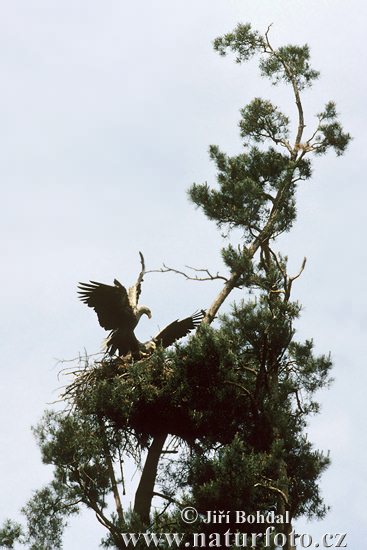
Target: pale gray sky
106,113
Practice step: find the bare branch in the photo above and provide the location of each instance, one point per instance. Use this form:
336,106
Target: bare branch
300,271
166,497
278,264
291,279
274,490
267,33
309,141
209,277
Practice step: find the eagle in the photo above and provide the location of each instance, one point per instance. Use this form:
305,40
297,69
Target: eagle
118,311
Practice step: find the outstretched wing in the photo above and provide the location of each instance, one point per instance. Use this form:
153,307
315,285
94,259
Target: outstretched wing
178,329
111,303
135,291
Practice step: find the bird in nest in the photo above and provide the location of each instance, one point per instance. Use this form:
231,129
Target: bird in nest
118,311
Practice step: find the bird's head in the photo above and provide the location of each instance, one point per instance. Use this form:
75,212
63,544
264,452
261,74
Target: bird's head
143,310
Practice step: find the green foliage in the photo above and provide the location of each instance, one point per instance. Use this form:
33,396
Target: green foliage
170,393
238,261
238,478
75,445
10,533
262,120
228,478
248,185
330,132
46,516
305,466
290,64
236,398
242,41
257,187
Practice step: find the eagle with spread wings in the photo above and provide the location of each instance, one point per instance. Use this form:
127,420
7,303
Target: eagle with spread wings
118,311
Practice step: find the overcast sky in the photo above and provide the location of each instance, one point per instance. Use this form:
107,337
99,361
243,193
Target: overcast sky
106,113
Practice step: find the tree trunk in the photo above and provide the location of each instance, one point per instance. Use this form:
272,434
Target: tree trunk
144,493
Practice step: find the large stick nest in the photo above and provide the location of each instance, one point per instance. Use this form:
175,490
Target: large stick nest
187,392
142,396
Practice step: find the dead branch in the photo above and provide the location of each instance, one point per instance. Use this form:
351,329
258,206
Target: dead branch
300,271
166,497
209,277
274,490
292,279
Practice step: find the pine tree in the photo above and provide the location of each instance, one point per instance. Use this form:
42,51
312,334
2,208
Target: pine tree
218,422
